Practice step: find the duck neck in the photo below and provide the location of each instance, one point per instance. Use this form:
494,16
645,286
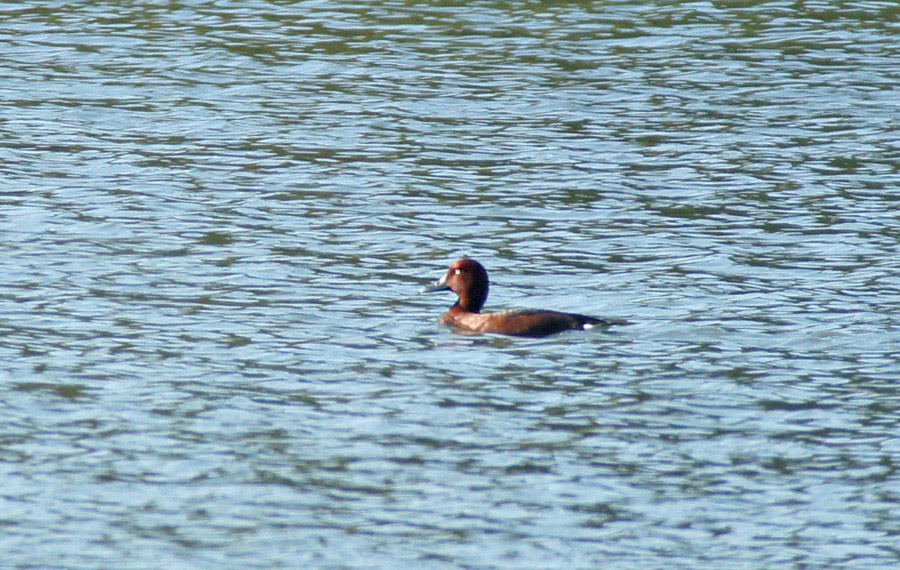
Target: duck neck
472,301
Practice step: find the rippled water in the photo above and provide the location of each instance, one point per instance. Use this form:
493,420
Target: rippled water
215,217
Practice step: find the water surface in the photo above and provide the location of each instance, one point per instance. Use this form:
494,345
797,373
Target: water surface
215,217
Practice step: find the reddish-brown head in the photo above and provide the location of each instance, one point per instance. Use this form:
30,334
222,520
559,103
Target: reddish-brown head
468,279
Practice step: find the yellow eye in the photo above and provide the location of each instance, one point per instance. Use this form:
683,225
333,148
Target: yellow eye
457,272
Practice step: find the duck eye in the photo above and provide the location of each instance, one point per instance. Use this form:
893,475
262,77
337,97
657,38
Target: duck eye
457,272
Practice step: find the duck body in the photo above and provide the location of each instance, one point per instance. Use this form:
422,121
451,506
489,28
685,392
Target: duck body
468,279
522,322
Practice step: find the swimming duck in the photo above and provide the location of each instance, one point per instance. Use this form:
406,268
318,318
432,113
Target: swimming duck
469,280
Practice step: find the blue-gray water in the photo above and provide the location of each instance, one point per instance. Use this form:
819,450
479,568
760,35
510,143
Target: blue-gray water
215,217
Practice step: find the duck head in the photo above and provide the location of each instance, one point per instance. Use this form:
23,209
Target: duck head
468,279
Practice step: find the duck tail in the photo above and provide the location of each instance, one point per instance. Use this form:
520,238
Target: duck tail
595,323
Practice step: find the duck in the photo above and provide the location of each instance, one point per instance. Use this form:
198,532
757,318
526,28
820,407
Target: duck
469,280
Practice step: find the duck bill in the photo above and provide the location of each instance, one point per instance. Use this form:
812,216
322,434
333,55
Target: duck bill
439,285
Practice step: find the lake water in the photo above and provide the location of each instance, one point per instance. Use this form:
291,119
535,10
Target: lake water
215,217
